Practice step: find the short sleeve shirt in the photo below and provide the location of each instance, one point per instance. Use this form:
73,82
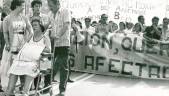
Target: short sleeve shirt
62,16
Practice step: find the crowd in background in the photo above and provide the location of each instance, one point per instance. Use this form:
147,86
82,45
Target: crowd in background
103,26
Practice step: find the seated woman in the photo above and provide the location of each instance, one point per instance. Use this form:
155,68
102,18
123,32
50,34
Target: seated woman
27,60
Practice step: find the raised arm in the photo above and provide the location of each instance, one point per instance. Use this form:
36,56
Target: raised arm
29,29
47,44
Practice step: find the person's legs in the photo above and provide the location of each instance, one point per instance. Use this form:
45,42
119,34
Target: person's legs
64,69
11,84
28,83
55,64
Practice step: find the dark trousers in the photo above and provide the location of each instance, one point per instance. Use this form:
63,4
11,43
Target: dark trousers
61,64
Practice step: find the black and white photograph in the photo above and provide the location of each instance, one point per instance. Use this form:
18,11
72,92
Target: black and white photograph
84,48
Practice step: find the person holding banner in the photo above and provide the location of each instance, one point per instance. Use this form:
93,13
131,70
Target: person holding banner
103,29
129,27
153,33
122,27
114,27
61,34
141,21
165,30
164,37
137,29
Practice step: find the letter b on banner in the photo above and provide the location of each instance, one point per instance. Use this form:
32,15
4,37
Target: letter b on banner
116,15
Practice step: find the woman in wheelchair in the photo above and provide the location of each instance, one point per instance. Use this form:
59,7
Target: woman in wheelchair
27,61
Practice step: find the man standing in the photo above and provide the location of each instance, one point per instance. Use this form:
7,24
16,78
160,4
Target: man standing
153,33
103,29
36,8
61,35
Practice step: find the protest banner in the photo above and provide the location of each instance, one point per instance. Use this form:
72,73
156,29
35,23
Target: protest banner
121,54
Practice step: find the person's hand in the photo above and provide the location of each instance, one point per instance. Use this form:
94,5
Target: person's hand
7,47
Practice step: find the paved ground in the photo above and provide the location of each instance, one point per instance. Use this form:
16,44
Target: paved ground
97,85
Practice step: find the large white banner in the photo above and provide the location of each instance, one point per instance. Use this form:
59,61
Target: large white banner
120,54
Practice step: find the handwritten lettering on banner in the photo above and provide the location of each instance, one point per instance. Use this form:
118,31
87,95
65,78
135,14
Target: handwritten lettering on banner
121,55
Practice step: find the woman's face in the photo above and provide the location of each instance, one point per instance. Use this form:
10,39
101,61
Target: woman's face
21,8
36,26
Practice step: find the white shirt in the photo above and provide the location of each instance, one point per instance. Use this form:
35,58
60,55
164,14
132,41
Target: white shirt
62,16
165,34
128,31
90,30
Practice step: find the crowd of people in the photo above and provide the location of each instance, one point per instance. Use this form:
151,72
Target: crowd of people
25,41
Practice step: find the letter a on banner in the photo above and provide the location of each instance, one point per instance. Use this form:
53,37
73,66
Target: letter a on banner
89,10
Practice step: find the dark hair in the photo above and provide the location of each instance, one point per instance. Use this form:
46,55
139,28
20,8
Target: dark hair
104,15
41,26
123,24
55,1
36,2
134,28
3,16
16,3
165,18
155,18
139,17
87,19
94,22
